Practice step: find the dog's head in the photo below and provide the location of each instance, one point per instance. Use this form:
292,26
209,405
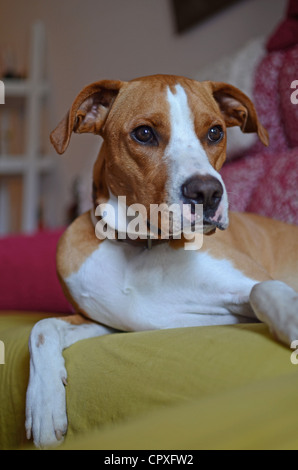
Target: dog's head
164,140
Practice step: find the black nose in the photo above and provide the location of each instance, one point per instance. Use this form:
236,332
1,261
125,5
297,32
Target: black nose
206,190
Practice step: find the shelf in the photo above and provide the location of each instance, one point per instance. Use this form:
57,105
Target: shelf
29,164
16,165
19,88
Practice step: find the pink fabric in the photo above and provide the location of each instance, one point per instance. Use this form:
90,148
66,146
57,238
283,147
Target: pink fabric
28,279
276,194
265,180
265,184
267,100
286,34
289,110
242,177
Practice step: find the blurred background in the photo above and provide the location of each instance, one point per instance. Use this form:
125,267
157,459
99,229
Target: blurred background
62,45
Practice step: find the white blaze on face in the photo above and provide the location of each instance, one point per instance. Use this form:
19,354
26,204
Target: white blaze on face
185,154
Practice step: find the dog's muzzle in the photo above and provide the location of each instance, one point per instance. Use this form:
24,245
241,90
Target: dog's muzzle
206,190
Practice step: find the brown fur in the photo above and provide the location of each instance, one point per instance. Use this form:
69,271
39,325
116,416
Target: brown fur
76,244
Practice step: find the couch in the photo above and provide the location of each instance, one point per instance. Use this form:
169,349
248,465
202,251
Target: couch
223,387
219,387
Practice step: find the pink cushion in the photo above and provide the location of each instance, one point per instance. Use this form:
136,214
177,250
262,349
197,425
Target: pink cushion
286,34
267,100
276,194
28,279
289,110
242,176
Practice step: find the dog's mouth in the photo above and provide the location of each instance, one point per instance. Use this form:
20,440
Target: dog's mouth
193,224
206,220
213,224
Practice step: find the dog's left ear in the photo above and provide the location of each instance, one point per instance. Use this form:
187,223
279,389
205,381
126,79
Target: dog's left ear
88,112
238,110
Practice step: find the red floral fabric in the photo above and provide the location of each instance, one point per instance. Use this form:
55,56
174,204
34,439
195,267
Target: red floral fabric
265,180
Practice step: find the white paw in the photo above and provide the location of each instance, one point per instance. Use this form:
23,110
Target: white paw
46,419
276,304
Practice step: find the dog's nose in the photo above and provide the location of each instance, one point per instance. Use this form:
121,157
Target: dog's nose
206,190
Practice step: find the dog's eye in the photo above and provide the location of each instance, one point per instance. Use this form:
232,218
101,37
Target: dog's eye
215,134
144,135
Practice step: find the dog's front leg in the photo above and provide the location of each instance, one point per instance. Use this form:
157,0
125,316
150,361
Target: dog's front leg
46,418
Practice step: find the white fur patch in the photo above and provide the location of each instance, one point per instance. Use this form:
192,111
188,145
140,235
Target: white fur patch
185,154
133,289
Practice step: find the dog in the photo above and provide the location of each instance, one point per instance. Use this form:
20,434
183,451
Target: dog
164,142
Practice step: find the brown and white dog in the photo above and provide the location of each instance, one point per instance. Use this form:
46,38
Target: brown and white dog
164,143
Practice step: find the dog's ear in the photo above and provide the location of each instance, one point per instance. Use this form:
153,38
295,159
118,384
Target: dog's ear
238,110
88,112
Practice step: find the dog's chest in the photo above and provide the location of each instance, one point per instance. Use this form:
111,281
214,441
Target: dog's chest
131,288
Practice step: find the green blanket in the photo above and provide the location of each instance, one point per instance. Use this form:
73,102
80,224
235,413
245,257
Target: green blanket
218,387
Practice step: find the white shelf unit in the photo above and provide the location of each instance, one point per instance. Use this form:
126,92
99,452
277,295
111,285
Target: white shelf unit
30,165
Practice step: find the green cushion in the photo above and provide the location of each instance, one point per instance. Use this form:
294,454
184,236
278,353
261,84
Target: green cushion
207,387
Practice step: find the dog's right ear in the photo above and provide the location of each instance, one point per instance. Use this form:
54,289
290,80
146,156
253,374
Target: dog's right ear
237,109
88,112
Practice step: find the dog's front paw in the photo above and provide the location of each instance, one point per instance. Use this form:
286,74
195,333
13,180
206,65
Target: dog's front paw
276,304
46,419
